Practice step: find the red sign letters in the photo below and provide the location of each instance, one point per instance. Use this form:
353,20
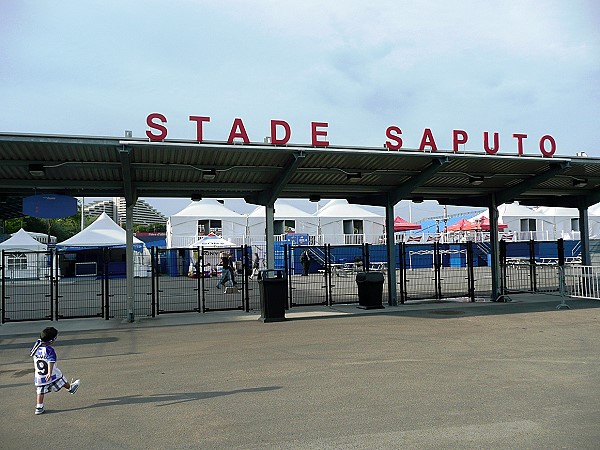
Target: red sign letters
281,133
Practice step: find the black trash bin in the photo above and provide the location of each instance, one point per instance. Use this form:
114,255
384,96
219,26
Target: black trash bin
370,290
273,296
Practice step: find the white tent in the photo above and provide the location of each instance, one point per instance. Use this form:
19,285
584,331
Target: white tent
544,222
22,241
213,241
211,245
104,232
21,259
561,221
512,215
344,223
182,228
288,219
594,220
566,220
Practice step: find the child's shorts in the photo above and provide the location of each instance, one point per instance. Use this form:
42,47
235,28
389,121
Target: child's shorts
55,386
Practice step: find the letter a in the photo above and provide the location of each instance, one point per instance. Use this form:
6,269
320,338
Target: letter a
238,131
428,140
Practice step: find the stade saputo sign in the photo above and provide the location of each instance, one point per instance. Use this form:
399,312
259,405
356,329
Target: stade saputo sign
281,132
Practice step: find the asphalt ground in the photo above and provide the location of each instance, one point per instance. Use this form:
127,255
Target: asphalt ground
425,375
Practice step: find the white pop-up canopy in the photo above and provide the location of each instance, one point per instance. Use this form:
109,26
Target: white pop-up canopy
22,241
211,240
303,222
182,228
339,220
104,232
26,262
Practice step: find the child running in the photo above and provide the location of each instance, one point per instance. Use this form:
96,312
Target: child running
48,376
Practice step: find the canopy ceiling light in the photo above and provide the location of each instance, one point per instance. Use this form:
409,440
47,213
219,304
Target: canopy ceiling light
475,180
209,174
37,170
580,182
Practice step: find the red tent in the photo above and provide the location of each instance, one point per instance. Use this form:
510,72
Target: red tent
462,225
403,225
483,224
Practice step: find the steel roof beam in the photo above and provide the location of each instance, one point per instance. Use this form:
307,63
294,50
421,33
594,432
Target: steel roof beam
407,187
128,188
269,196
509,194
394,195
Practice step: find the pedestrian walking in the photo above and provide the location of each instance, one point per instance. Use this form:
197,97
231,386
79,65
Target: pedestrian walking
226,271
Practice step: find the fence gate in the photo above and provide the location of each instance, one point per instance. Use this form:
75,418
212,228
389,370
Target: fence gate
309,281
186,279
329,276
436,271
27,286
531,266
81,285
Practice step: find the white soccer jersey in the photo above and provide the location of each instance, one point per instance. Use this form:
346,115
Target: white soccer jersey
41,359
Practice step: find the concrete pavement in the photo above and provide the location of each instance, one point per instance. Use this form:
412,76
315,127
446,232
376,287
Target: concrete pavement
426,375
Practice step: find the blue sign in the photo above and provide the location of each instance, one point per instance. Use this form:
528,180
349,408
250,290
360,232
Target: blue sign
297,238
49,206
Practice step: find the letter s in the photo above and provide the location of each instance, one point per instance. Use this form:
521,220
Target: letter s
389,133
156,126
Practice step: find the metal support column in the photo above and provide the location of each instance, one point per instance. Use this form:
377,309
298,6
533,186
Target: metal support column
584,231
129,259
497,294
391,254
269,235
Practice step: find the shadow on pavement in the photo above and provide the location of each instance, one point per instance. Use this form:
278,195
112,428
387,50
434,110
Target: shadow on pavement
171,399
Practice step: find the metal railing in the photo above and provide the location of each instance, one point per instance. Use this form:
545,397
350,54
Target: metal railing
185,280
583,281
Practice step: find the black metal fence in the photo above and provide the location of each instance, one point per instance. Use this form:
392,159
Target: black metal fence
60,285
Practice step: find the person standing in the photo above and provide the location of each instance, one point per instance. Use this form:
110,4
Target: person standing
305,260
48,376
255,266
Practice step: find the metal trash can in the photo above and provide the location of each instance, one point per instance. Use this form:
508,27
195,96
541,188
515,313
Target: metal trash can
370,290
273,296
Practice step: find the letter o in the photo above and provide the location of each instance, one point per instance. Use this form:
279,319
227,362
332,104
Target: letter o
543,140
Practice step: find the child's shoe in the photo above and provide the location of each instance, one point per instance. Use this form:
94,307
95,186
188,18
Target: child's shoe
74,386
39,410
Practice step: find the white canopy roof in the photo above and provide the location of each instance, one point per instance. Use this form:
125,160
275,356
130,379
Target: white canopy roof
21,240
556,211
341,208
102,233
516,210
212,241
282,210
593,210
209,208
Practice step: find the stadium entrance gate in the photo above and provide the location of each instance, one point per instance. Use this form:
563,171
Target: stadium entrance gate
56,285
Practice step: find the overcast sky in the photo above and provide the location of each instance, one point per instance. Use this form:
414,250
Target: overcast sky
100,67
